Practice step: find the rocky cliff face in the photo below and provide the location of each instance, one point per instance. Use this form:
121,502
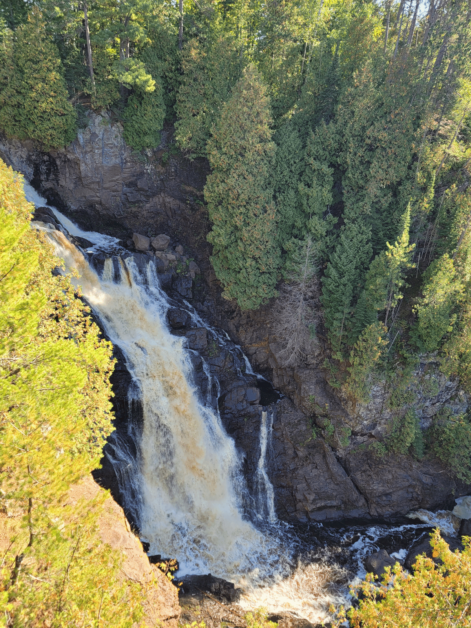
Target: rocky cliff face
161,607
317,473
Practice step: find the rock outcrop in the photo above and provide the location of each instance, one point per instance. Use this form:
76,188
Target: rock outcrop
161,605
378,562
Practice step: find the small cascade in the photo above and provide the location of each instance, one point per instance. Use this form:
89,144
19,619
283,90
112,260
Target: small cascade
265,495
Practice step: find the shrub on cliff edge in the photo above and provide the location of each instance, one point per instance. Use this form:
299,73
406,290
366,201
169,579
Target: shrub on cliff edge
55,416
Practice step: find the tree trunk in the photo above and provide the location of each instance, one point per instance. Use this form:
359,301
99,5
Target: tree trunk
180,32
412,27
89,47
387,26
401,11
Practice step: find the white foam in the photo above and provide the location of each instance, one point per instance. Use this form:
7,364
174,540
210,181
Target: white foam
100,240
443,519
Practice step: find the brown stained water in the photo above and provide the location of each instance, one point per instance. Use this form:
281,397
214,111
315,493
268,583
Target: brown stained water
189,466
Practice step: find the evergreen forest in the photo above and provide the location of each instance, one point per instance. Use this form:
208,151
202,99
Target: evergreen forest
338,139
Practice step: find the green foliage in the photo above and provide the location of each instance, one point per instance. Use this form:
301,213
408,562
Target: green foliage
449,439
344,435
435,595
132,73
315,190
287,171
344,273
385,279
364,357
55,416
240,197
377,133
106,92
441,293
456,352
209,73
321,87
406,434
145,110
259,619
378,449
33,94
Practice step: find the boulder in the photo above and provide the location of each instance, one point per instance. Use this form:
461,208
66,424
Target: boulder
197,338
462,510
179,249
184,287
177,318
163,258
82,242
166,279
221,589
160,242
45,214
141,242
376,563
194,268
424,547
160,265
252,395
465,528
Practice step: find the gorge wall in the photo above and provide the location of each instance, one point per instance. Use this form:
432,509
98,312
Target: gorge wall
101,185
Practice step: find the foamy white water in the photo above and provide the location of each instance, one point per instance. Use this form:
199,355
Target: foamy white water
265,495
443,519
98,239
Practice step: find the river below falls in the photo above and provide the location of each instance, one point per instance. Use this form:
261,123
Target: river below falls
182,478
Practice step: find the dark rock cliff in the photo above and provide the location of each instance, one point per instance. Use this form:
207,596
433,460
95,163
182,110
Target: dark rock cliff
103,186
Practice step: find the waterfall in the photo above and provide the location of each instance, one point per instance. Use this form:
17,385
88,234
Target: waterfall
265,496
185,486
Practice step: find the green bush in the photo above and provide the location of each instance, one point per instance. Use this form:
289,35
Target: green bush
450,440
406,434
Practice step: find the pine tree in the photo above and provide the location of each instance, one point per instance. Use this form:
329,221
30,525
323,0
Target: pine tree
210,71
145,110
286,31
437,309
376,125
289,164
240,196
315,189
343,281
33,96
364,357
320,90
385,279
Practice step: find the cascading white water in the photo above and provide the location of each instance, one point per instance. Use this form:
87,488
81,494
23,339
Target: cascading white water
265,495
190,480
